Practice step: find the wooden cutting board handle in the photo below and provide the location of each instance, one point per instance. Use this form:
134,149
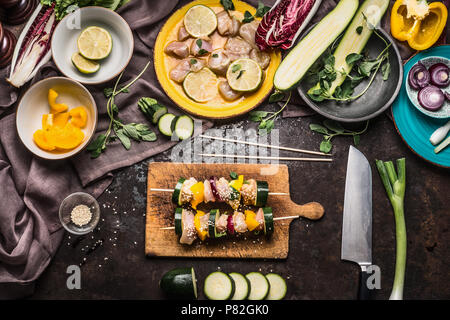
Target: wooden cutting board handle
311,210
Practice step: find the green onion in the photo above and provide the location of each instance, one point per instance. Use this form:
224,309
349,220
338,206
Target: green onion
395,184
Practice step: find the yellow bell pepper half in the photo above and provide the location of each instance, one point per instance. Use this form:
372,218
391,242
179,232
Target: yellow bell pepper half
237,184
421,27
200,232
197,190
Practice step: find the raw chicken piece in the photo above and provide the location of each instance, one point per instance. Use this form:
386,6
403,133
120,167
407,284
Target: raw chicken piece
248,192
219,61
207,192
204,221
185,66
177,49
186,192
237,48
221,223
189,233
182,34
248,30
200,47
223,189
239,222
226,91
261,57
227,25
260,218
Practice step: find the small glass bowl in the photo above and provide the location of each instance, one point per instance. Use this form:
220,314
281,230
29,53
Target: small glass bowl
71,202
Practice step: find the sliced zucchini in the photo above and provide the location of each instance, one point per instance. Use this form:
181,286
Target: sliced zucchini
262,192
212,231
278,287
176,195
268,221
179,283
259,286
183,127
164,124
241,286
178,221
295,65
152,109
355,39
218,286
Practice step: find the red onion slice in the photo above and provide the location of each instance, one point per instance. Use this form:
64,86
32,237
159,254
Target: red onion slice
431,98
439,74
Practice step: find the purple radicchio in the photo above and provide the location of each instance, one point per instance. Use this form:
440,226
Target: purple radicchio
33,47
280,27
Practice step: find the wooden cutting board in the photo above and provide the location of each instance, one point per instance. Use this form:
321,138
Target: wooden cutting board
160,212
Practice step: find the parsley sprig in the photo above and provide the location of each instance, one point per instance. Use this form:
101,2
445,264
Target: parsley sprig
266,119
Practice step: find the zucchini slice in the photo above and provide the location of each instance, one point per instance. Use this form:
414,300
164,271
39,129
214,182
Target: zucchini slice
262,192
278,287
218,286
295,65
241,285
152,109
259,285
164,124
183,127
212,231
268,221
176,195
355,39
178,221
179,283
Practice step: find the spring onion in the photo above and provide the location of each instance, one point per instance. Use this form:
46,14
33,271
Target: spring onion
395,184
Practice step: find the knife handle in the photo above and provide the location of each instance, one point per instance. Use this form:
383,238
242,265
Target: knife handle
364,293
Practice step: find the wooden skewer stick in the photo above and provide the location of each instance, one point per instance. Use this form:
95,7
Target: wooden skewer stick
274,219
270,193
265,145
263,157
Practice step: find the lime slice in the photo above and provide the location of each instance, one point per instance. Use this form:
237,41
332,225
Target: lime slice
201,86
94,43
84,65
200,21
244,75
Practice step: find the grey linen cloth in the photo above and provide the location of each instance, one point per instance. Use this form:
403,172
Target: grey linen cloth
32,189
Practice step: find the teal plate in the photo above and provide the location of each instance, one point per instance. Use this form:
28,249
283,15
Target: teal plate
414,127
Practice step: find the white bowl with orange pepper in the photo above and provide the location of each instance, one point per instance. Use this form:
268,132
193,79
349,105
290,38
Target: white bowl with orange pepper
56,118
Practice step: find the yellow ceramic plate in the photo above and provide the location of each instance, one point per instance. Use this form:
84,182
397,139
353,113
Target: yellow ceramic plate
217,108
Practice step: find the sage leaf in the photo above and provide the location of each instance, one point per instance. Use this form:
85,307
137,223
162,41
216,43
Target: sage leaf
318,128
126,142
325,146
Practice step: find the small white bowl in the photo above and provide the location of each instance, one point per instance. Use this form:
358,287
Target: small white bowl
64,43
70,202
34,104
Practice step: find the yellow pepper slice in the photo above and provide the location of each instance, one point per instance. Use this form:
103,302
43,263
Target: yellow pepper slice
55,107
79,116
198,195
201,233
237,184
250,220
421,28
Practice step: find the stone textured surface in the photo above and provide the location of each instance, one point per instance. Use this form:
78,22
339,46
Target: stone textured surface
119,268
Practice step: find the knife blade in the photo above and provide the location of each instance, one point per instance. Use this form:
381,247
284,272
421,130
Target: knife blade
357,217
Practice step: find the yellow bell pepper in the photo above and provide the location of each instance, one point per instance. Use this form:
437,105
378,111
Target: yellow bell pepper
237,184
419,23
54,106
198,195
200,232
250,220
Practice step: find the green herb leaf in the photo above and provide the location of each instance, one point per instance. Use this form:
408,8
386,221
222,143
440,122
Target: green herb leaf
126,142
276,97
233,175
257,116
149,137
386,70
97,143
366,67
227,4
352,58
131,132
215,55
235,68
261,10
193,61
202,52
356,139
334,126
325,146
318,128
240,74
248,17
114,109
199,42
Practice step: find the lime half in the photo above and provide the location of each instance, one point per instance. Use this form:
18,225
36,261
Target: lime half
201,86
200,21
94,43
244,75
84,65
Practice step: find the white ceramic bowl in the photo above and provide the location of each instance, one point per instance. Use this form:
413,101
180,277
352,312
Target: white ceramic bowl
64,43
34,104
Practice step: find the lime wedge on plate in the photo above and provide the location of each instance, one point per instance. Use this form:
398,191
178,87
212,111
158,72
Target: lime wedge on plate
200,21
94,43
84,65
244,75
201,86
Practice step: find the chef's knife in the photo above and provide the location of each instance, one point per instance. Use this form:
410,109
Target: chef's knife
357,221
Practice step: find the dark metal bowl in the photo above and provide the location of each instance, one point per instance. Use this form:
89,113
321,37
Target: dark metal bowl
380,95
